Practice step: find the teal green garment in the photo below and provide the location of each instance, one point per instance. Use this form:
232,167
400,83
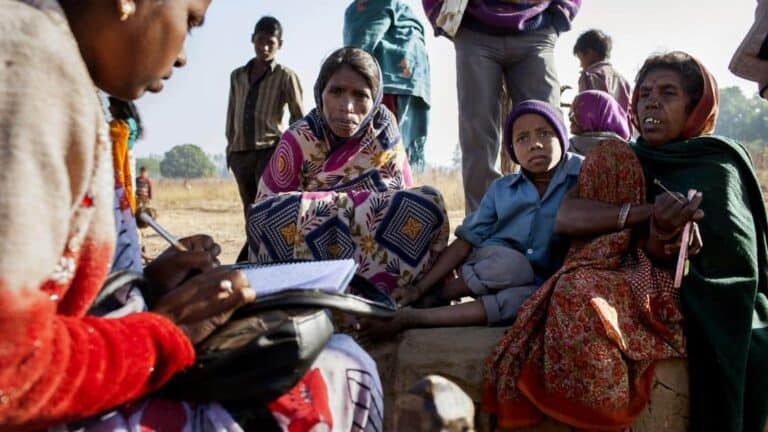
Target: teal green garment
133,133
413,118
724,298
391,32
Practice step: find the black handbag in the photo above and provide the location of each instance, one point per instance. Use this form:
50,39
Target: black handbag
255,358
267,346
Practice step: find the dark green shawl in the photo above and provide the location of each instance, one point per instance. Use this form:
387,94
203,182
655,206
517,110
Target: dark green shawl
724,297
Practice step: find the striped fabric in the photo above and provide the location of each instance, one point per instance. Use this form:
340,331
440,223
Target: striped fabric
279,87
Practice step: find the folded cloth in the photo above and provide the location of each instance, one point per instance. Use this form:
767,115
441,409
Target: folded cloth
450,16
750,61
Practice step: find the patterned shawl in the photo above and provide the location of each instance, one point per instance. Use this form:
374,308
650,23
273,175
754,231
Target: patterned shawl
311,158
380,119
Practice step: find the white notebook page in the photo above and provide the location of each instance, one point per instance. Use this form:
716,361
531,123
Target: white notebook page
330,276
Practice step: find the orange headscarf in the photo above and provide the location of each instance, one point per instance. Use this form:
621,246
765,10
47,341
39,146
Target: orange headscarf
701,120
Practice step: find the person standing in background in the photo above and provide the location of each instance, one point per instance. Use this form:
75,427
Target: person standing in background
258,95
512,41
390,31
750,61
143,188
593,49
123,131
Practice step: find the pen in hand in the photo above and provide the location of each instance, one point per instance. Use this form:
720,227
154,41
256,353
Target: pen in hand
664,188
144,217
681,267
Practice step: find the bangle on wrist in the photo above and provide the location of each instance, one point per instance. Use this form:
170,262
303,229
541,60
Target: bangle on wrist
623,215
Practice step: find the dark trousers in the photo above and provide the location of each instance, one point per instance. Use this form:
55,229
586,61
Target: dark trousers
527,62
247,167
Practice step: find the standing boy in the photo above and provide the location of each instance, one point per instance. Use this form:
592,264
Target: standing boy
258,95
593,49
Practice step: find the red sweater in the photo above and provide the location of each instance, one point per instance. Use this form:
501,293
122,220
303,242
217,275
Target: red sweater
57,236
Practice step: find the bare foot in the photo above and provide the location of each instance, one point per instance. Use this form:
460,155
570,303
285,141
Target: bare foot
378,329
407,295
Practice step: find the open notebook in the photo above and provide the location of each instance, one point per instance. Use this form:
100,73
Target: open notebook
314,284
332,276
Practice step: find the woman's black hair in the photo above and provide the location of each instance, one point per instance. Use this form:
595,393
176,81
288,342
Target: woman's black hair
594,40
355,58
684,65
123,110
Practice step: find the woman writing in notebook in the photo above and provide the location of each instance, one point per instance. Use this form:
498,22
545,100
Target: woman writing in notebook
583,347
339,185
60,365
56,201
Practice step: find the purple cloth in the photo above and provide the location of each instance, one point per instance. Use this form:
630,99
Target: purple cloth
513,17
550,114
598,111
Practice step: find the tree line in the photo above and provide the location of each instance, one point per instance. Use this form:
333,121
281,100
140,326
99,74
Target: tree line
187,161
743,119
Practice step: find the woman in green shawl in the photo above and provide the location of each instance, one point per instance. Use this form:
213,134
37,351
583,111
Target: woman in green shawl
723,298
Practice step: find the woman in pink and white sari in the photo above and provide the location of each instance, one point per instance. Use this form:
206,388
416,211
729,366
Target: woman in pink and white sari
339,185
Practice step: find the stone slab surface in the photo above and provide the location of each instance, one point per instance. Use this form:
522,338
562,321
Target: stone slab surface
459,354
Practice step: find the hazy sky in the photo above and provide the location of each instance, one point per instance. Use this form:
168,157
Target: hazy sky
192,108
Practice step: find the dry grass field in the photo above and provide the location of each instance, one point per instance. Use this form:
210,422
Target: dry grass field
212,206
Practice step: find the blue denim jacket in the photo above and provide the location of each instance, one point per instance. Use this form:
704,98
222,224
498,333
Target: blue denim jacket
513,214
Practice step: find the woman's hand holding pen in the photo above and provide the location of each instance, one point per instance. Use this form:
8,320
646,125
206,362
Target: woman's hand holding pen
206,301
190,289
171,268
671,212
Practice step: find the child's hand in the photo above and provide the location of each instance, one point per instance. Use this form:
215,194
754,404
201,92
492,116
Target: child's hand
407,295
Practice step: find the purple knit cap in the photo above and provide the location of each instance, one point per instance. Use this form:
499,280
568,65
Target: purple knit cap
552,115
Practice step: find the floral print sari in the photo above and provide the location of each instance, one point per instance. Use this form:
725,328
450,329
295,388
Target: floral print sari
322,200
583,346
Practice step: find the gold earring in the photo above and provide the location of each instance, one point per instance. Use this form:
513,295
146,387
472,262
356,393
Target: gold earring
127,9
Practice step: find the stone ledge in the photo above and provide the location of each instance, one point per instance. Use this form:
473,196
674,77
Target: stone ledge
459,354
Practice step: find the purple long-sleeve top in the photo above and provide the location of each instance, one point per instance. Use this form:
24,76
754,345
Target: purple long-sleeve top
502,17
